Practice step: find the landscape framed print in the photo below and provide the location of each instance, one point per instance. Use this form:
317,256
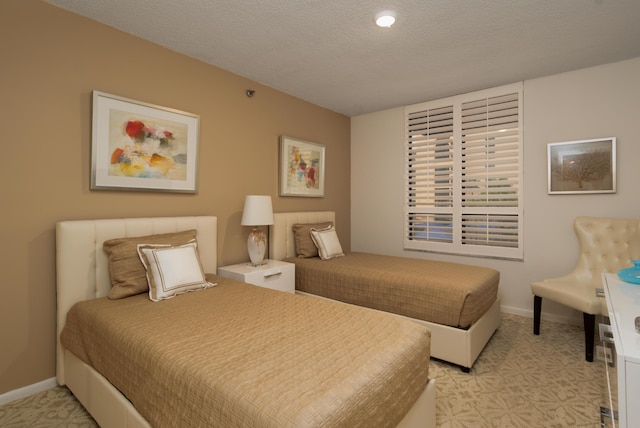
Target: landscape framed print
584,166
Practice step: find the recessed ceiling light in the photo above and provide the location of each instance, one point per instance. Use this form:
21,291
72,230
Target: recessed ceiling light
385,18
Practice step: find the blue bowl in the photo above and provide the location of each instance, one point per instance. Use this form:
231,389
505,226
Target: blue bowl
631,274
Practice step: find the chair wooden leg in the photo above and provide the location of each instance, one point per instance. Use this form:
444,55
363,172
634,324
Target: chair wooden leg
589,331
537,308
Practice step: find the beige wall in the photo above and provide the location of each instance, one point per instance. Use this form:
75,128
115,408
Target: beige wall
590,103
51,62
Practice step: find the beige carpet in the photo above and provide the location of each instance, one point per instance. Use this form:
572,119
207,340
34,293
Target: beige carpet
520,380
523,380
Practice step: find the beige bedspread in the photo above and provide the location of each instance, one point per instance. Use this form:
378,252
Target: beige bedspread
446,293
238,355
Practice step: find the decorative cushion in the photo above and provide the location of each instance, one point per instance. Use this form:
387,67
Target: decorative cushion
302,238
172,270
128,276
327,242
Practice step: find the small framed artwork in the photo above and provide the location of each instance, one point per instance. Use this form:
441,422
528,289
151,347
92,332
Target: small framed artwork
140,146
301,168
585,166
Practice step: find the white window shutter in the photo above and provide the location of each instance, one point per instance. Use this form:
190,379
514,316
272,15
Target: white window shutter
464,174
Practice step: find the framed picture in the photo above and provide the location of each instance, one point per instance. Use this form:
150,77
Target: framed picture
140,146
586,166
301,168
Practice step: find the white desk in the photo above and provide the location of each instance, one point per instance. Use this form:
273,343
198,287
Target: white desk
623,304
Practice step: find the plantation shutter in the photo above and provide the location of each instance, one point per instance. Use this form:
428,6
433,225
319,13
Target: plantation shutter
430,173
463,174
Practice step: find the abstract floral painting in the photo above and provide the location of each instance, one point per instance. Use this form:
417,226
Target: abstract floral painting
301,168
138,146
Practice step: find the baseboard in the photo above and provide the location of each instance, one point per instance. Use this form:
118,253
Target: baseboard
516,311
26,391
562,319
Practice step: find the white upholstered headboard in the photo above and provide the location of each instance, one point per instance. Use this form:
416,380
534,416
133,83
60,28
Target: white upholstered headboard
281,241
82,270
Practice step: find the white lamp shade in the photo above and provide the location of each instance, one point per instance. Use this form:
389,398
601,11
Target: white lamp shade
257,211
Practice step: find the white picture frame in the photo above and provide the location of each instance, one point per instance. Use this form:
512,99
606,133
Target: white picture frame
302,168
582,167
141,146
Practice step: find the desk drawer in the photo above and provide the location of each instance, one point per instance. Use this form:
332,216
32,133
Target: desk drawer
606,353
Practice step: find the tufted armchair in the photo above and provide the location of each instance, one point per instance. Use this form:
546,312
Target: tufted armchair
606,245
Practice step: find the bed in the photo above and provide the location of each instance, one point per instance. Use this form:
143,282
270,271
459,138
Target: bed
460,327
262,369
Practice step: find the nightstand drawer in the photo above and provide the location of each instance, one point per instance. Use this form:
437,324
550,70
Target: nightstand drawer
273,274
278,278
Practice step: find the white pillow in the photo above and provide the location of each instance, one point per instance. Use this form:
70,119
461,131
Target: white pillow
172,270
327,242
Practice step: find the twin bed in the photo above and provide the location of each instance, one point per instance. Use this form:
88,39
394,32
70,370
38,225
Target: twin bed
229,354
458,303
233,354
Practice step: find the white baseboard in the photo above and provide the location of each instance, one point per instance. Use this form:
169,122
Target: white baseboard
26,391
516,311
563,319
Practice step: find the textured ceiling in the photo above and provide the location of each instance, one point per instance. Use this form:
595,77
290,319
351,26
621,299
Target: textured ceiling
330,52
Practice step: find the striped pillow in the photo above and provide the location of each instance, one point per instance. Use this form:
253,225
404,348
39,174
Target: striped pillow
128,276
172,270
302,238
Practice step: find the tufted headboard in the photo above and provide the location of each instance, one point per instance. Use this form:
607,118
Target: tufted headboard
82,267
281,241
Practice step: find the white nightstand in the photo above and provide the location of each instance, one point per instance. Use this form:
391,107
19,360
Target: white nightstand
273,274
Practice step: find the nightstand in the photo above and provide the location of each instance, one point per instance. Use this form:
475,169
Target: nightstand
273,274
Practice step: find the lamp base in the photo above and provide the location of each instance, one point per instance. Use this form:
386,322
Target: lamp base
257,246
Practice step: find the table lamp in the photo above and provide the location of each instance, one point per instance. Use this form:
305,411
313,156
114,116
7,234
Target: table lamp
257,211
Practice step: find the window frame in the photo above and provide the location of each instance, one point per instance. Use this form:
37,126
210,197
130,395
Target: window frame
452,241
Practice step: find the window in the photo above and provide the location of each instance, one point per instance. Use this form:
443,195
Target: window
463,170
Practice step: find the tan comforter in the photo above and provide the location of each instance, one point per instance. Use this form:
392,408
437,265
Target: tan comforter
237,355
446,293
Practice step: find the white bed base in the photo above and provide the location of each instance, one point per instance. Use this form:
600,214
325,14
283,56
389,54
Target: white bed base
454,345
82,274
